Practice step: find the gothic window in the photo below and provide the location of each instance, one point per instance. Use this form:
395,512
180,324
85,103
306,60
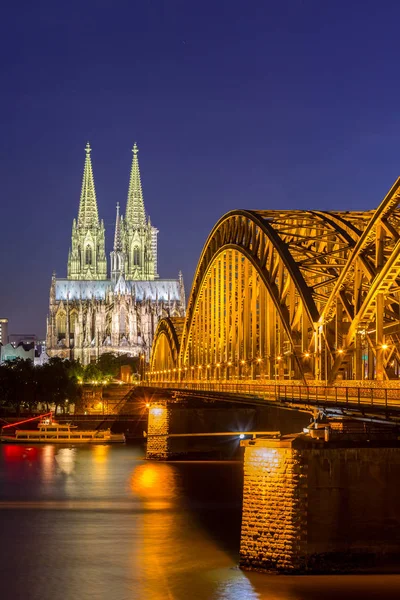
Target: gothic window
61,322
72,322
122,320
136,258
88,259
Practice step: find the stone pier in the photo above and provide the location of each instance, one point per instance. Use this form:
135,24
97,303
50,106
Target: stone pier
157,431
167,418
315,506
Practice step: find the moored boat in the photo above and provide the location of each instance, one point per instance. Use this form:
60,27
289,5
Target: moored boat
50,432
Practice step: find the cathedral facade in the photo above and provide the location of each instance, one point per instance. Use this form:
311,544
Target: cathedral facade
91,313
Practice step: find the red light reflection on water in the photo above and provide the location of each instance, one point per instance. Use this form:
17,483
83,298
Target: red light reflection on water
19,453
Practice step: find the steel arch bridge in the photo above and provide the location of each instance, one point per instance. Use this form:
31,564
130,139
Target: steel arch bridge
291,295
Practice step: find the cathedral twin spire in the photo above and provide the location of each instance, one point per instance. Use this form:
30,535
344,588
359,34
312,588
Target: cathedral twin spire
88,215
134,252
135,213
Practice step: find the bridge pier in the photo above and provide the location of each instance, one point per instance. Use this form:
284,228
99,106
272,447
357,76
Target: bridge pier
157,431
315,506
176,430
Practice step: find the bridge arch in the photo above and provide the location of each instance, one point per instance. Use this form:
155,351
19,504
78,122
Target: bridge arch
294,295
165,351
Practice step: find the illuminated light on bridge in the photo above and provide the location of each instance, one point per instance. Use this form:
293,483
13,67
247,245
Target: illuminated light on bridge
287,285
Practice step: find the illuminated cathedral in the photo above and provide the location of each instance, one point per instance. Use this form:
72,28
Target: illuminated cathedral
91,313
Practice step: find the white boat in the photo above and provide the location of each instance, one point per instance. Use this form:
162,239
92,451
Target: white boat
50,432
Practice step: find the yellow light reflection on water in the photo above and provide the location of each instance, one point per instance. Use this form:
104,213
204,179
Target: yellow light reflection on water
154,483
100,453
174,544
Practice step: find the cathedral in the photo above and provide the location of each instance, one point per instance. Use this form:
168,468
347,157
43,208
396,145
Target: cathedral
92,313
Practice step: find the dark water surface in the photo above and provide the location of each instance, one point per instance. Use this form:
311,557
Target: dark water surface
100,522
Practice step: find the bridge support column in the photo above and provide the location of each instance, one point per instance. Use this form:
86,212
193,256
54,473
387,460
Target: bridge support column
157,431
274,520
312,506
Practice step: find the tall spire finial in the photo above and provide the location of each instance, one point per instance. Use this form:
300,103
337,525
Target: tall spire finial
135,216
88,215
117,235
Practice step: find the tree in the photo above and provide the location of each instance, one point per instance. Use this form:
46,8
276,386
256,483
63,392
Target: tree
109,365
18,386
92,373
58,383
8,388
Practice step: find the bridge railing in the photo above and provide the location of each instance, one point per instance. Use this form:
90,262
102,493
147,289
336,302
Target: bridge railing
381,397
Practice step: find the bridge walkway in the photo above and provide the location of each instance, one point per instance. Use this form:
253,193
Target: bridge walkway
368,400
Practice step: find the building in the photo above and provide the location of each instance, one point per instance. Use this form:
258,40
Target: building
22,338
91,313
11,352
3,331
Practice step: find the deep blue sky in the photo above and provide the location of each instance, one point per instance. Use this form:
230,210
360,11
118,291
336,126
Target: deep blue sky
236,104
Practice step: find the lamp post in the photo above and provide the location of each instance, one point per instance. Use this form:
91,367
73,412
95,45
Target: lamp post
142,366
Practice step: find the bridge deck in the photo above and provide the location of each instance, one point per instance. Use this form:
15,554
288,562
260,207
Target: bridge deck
368,400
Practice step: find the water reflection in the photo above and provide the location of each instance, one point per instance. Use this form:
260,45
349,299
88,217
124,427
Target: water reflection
16,453
98,522
155,484
65,459
100,453
47,454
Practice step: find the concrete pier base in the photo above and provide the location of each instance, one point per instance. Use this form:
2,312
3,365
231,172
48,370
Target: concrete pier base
310,506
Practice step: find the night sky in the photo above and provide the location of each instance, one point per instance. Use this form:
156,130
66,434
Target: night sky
236,104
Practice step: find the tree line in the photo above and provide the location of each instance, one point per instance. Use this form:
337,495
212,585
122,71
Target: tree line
55,384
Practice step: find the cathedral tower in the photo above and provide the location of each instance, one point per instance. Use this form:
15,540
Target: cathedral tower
87,257
140,237
117,256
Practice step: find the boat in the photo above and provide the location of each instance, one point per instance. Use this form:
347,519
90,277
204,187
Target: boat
50,432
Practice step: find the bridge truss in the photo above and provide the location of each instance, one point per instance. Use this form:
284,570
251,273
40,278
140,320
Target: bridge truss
291,295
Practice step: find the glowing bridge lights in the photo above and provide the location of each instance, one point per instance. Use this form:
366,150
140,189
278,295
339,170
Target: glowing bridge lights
384,346
241,436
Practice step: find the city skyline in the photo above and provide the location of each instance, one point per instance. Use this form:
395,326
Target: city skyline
279,106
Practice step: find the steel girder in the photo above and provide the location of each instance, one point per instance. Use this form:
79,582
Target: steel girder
166,344
318,291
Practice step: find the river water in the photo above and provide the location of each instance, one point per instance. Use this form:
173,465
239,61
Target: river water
101,522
